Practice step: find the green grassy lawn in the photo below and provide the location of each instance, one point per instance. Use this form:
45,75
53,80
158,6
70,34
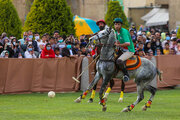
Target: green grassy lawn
36,106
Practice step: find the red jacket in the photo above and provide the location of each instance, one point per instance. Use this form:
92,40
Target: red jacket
47,52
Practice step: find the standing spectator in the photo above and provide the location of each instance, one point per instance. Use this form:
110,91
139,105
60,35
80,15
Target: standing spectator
42,43
30,52
84,51
15,47
166,41
25,36
30,34
159,45
133,27
47,52
56,34
37,37
68,50
133,36
3,36
174,44
52,42
147,47
60,44
1,48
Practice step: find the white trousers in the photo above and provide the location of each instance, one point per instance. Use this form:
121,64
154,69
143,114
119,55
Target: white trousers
126,55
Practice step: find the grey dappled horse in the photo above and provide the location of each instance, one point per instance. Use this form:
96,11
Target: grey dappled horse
106,69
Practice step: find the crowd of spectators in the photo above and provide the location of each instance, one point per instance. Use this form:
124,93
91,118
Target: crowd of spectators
32,45
146,42
153,42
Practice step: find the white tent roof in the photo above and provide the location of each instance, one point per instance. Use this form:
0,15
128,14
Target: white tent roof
150,14
160,18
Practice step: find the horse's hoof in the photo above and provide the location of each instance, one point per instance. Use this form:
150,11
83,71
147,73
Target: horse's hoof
104,108
125,110
144,108
90,100
120,100
78,100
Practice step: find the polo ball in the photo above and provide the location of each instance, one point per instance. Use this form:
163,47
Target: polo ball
51,94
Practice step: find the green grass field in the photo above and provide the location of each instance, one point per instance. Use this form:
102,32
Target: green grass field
166,106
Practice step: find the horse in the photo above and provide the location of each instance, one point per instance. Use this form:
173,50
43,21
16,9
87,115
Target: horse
118,53
106,69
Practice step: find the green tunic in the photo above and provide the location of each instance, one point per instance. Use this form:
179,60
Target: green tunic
124,37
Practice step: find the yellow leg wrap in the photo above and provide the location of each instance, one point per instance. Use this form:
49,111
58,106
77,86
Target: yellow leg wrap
121,95
93,94
108,90
148,104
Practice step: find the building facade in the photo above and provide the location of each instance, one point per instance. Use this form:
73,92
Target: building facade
96,9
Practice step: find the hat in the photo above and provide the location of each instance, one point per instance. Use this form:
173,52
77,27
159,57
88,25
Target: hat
118,20
101,20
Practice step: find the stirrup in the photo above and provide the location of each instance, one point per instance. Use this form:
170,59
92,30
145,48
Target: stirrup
125,78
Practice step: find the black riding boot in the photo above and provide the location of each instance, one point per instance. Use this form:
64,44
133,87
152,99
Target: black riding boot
122,66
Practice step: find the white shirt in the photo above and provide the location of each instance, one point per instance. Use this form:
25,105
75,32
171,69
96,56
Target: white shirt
59,56
41,43
28,55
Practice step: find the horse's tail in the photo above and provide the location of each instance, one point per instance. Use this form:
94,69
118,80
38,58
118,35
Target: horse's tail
159,73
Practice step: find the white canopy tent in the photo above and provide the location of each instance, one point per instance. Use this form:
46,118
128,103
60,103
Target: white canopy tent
150,14
156,17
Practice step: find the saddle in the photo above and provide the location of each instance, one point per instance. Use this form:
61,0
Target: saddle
133,63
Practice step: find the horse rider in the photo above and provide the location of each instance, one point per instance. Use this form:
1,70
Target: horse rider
101,24
124,41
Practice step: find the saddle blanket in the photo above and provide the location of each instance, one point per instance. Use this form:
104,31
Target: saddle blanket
133,63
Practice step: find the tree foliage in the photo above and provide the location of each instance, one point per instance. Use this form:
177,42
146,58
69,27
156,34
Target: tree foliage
46,16
9,19
115,11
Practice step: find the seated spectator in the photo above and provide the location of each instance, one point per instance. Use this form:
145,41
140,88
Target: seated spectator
5,54
141,53
166,50
30,52
9,47
47,52
57,53
158,52
178,47
172,51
